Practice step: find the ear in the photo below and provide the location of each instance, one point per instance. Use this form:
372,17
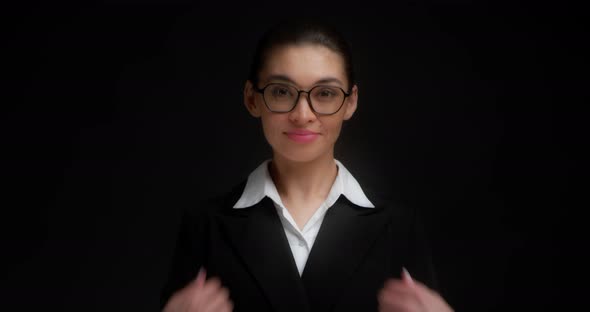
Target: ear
250,99
351,103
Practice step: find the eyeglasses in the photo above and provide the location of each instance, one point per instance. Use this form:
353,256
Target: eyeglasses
323,100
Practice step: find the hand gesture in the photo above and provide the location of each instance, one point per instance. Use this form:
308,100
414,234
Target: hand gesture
200,295
407,295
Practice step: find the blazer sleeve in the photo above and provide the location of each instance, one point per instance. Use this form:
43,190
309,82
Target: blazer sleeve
189,253
419,261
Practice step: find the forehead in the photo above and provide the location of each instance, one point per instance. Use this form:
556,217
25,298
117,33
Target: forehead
304,64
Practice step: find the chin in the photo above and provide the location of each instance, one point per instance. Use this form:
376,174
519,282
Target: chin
300,154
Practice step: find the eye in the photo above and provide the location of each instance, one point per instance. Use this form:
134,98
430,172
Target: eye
281,91
327,93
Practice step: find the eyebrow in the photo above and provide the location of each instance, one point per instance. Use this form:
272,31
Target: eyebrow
289,80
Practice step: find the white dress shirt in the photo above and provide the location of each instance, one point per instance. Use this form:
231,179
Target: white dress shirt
260,185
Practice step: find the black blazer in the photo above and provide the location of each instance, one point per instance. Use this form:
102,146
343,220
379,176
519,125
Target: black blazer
355,251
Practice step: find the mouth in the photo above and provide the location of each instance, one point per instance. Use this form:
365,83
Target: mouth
302,136
301,132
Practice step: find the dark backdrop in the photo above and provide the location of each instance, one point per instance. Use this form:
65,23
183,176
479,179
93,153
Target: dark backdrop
117,113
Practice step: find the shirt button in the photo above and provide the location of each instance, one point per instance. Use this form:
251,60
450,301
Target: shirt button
301,244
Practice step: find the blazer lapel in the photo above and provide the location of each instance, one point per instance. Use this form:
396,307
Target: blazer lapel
258,237
344,238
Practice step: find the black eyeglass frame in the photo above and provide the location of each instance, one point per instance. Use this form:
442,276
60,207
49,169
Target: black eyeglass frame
261,90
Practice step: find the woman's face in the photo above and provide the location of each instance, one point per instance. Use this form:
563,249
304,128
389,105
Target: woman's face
302,66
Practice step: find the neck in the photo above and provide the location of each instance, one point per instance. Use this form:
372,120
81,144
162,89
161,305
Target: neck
304,180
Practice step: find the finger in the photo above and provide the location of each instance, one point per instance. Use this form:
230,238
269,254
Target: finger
198,281
432,299
218,300
228,306
399,293
220,296
406,277
210,287
424,292
195,290
213,283
190,291
201,277
393,284
399,290
392,301
398,296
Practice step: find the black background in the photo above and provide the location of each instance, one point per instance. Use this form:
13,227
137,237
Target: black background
117,113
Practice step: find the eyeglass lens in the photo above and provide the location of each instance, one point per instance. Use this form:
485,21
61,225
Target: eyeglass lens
324,99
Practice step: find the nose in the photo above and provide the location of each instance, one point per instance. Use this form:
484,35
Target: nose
302,112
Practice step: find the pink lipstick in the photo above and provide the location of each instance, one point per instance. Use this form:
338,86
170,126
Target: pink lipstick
302,136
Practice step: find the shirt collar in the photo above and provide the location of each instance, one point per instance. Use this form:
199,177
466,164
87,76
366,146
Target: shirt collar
260,184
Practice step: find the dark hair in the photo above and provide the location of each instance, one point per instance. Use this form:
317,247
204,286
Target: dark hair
301,31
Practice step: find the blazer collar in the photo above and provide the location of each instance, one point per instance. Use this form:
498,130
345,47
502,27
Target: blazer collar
345,236
258,238
260,184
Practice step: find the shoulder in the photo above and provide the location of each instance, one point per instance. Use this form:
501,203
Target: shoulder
215,204
382,196
390,202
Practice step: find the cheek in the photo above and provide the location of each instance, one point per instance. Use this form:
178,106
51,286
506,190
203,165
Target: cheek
271,128
332,129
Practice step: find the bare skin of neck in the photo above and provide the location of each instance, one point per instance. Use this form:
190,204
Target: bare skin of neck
303,186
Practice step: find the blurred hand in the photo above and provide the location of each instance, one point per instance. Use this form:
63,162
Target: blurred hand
200,295
407,295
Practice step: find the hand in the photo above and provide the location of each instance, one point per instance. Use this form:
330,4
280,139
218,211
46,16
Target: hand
407,295
200,295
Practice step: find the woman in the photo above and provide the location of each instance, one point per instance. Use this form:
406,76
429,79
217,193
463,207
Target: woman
300,234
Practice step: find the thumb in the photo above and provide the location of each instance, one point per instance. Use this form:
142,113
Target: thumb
407,278
199,281
195,284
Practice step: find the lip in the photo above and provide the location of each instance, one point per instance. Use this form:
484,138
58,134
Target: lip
302,136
